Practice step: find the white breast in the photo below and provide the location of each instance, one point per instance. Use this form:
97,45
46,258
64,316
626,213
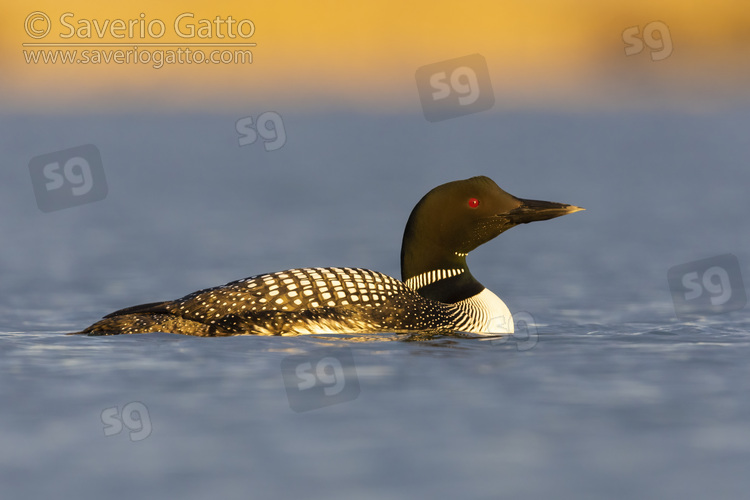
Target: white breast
486,314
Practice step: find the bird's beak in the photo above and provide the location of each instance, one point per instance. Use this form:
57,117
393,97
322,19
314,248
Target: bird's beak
534,210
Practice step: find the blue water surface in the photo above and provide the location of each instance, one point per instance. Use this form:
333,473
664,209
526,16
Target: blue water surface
606,393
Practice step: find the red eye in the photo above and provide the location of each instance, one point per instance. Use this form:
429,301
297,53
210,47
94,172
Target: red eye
473,202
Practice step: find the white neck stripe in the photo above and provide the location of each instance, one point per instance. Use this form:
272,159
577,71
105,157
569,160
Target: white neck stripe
430,277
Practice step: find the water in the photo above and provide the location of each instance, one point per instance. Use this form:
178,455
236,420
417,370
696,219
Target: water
609,396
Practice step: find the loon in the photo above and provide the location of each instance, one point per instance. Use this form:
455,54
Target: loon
438,292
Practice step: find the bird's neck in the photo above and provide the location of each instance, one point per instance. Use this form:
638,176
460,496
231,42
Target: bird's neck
441,276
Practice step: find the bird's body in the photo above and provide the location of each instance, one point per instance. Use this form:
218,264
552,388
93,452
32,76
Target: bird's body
438,292
301,301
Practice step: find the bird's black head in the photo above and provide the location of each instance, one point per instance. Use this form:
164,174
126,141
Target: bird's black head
455,218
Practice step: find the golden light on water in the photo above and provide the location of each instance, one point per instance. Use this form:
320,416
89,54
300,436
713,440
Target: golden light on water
568,54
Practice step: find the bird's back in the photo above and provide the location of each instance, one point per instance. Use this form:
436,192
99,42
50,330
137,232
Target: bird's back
292,302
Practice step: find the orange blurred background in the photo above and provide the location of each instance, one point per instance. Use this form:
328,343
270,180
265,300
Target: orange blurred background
546,54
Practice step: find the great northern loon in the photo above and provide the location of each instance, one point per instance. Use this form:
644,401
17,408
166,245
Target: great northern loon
438,293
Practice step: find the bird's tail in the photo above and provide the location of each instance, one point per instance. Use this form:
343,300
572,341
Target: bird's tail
147,318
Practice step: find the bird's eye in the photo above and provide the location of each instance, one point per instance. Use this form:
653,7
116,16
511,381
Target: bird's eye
473,202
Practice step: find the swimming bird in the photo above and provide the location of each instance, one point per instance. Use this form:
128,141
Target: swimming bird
438,292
